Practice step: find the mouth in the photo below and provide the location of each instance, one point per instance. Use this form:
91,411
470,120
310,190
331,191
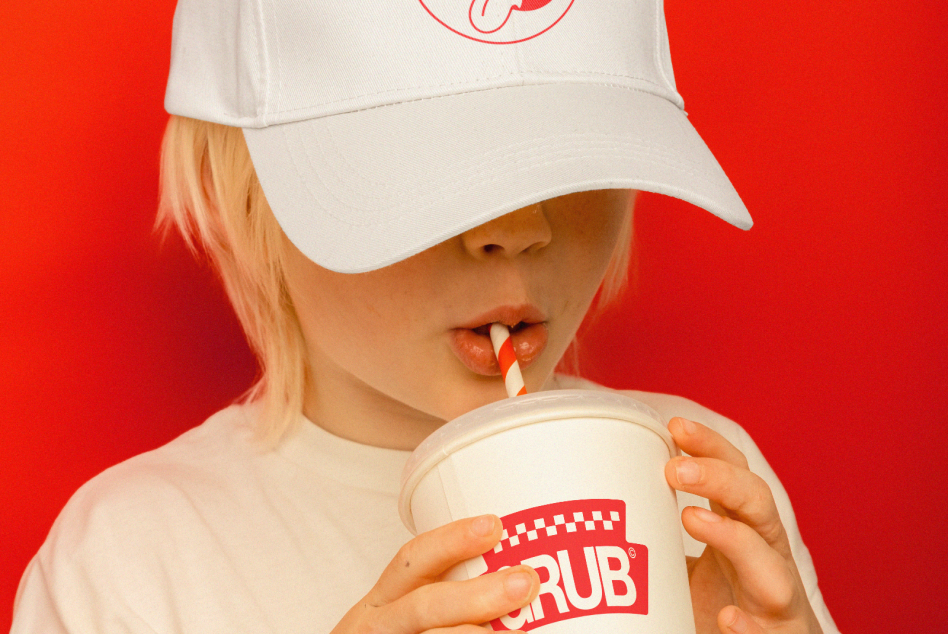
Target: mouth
484,330
528,333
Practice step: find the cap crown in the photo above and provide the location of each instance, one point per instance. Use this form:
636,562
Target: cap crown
255,63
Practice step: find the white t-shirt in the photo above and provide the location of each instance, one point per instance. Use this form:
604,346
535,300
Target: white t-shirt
212,533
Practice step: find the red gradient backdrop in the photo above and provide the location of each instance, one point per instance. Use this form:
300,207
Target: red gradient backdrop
822,330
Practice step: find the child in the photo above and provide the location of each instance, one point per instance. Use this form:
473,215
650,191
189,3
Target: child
377,183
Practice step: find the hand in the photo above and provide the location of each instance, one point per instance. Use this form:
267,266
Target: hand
745,581
410,596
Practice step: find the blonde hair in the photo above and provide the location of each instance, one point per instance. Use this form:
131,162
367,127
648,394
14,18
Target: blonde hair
210,193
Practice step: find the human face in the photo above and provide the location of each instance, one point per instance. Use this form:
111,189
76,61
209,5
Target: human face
395,352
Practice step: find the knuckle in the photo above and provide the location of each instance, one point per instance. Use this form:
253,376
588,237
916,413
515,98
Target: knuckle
776,536
407,554
741,460
422,603
764,509
734,496
756,498
761,496
771,531
782,594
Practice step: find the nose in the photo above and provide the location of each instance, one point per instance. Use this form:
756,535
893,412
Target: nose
526,230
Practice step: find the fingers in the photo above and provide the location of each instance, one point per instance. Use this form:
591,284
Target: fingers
718,471
411,598
741,494
449,603
767,578
426,557
698,440
743,528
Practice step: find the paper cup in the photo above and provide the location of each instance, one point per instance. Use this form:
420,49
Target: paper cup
577,478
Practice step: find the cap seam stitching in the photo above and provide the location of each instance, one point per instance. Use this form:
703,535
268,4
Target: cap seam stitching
508,74
661,38
666,158
525,147
278,69
469,183
262,58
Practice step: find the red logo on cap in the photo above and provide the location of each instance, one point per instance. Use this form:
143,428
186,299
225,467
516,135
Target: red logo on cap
498,21
585,565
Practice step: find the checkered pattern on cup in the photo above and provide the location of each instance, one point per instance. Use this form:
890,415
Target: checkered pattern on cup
550,526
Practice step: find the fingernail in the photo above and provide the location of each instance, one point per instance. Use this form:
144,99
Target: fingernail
707,516
483,525
518,585
738,625
688,426
687,472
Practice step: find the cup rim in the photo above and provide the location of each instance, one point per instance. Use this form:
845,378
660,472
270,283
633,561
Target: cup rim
521,411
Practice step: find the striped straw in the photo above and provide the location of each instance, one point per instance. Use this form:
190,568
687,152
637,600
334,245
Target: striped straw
507,358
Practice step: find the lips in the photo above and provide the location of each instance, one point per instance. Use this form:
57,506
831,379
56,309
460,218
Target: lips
528,334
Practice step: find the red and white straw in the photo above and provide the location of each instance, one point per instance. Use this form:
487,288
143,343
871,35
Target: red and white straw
507,358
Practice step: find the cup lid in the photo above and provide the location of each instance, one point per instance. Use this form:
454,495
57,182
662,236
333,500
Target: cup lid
518,411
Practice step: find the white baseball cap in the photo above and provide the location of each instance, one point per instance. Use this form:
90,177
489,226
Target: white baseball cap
379,129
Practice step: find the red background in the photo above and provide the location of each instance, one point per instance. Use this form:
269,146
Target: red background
822,330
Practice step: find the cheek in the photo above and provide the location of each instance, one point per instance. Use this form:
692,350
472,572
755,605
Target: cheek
362,322
326,309
591,234
593,239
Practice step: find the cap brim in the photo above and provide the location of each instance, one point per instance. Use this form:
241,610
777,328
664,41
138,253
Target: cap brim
362,190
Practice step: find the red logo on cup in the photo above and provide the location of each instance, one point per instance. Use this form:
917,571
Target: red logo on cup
585,565
498,21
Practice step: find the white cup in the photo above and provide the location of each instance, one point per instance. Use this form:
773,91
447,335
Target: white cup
577,478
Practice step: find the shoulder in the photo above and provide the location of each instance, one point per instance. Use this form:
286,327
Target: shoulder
113,541
197,461
157,495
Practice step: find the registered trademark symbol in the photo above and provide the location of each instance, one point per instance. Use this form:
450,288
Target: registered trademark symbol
631,552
